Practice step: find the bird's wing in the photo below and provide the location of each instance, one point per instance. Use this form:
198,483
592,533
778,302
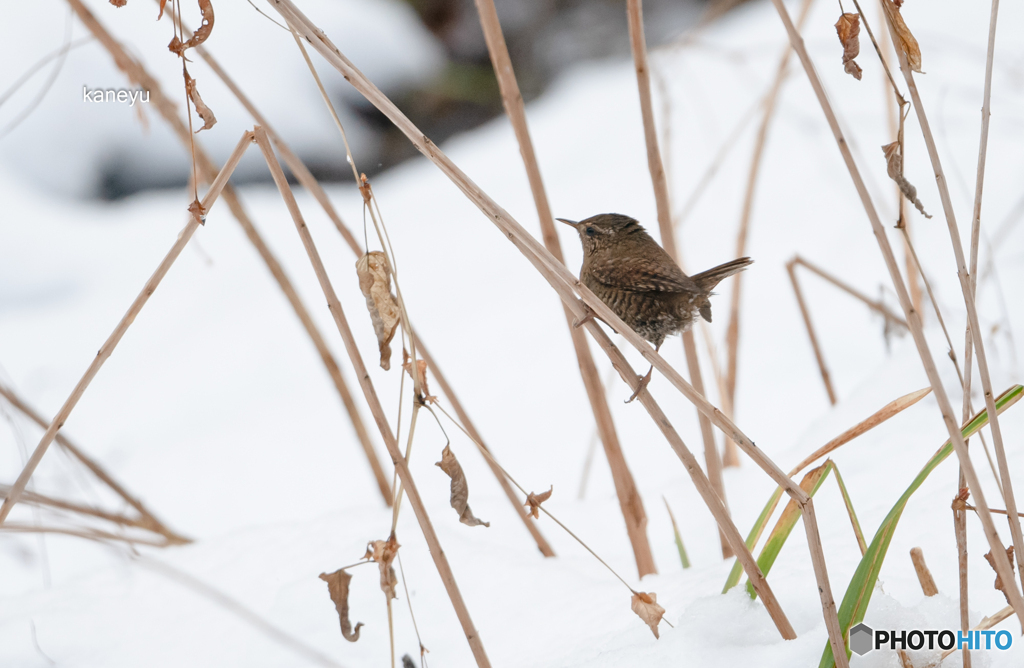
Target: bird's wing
636,274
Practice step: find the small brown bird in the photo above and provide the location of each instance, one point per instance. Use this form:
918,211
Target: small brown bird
637,279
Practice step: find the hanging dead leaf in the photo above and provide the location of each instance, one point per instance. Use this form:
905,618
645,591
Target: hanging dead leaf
894,167
998,584
161,14
460,488
848,29
375,284
646,607
205,113
200,35
903,35
533,501
422,366
383,553
337,586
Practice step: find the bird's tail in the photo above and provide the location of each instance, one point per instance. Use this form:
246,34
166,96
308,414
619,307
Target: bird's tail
707,280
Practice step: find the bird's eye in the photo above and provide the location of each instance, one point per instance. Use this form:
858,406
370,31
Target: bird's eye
590,231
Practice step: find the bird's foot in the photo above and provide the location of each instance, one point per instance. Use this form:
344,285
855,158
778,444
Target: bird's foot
579,322
644,382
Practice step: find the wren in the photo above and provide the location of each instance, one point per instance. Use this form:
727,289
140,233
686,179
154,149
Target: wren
640,282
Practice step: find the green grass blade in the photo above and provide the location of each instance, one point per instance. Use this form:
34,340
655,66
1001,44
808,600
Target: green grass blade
753,537
679,538
858,594
849,511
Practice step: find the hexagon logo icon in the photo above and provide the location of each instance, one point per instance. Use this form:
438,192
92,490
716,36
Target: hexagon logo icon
861,639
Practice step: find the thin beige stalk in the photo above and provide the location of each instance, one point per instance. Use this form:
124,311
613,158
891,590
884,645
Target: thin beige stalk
553,271
967,289
638,44
309,182
207,170
149,520
630,501
825,377
924,576
913,319
828,603
88,534
115,337
875,305
433,544
732,332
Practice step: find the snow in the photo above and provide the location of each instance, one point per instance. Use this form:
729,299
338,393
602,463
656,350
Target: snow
217,412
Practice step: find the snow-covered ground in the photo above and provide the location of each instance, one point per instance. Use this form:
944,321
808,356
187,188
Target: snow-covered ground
216,410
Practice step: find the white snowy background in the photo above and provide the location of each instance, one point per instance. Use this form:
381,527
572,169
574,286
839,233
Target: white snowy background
217,412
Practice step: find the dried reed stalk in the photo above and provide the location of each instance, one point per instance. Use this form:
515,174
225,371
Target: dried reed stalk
370,394
828,602
732,332
875,305
149,520
108,346
791,270
913,319
564,284
88,534
630,501
967,287
924,576
638,44
309,182
207,170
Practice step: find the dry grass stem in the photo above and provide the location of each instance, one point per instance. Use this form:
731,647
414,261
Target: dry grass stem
828,603
966,286
207,170
149,520
115,337
924,576
806,314
875,305
638,44
88,534
912,316
732,332
440,560
630,501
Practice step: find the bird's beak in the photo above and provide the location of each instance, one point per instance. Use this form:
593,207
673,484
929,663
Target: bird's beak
567,221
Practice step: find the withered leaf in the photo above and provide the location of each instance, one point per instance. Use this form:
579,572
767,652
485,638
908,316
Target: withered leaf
200,35
119,3
848,29
998,584
903,35
646,607
205,113
533,501
197,210
422,366
375,284
383,553
337,586
894,167
161,14
960,500
460,488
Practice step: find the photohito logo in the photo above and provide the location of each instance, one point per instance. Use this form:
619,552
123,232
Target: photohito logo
863,639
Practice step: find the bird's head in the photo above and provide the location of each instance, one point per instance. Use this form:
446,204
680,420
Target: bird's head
603,231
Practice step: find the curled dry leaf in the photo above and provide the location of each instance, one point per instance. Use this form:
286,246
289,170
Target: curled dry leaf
205,113
533,501
375,284
999,581
161,14
960,500
903,35
337,586
460,488
200,35
197,210
894,167
646,607
422,366
848,29
383,553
